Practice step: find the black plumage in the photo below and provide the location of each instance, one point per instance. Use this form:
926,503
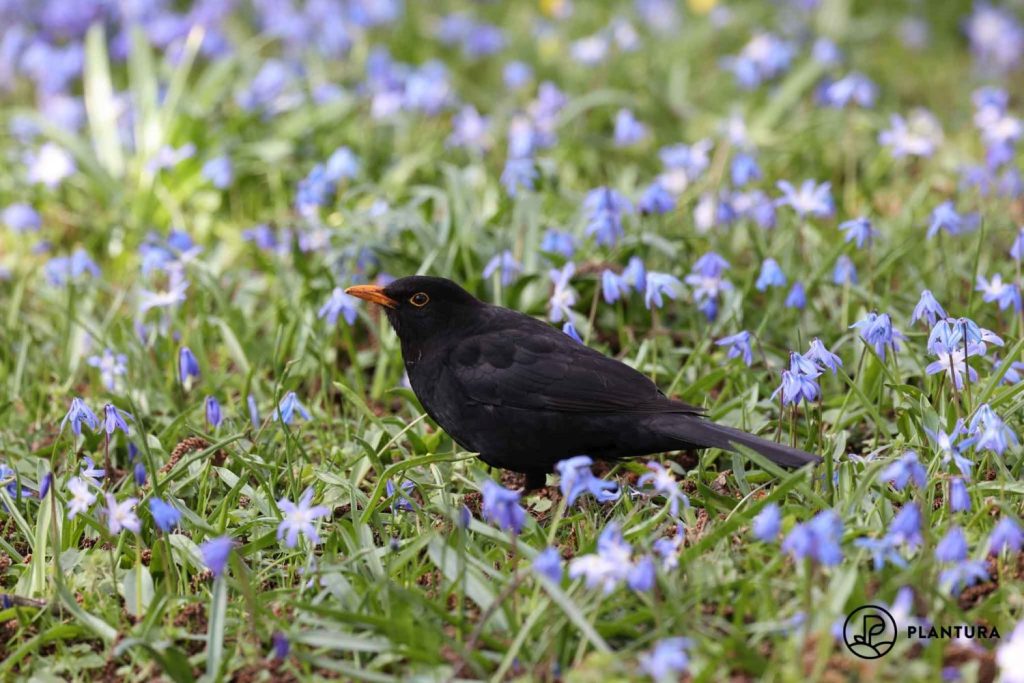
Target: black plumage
524,395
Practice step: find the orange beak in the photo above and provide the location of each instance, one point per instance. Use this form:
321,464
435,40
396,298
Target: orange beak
373,294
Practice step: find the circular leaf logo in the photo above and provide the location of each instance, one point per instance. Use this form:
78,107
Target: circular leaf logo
869,632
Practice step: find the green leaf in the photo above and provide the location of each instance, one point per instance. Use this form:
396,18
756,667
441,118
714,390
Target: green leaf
100,104
217,626
137,590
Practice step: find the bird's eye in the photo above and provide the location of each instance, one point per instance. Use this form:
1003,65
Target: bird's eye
419,299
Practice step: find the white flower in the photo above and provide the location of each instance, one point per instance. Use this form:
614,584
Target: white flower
1010,656
81,497
299,518
122,515
50,165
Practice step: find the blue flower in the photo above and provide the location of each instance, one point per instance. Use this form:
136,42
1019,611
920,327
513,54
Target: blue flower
299,518
79,414
990,432
661,480
516,74
501,507
563,298
280,645
765,57
1006,535
114,419
927,309
556,242
343,164
254,411
470,130
756,206
1005,294
710,265
801,365
219,171
506,264
959,498
9,481
948,333
667,660
21,218
167,157
111,365
949,450
876,330
519,174
634,276
610,565
744,169
605,208
845,272
918,135
611,286
548,564
767,523
811,199
771,275
570,330
854,87
64,269
188,366
823,357
883,550
906,526
290,405
796,387
339,304
139,473
213,412
996,36
91,473
44,485
796,298
165,515
668,549
1012,375
944,217
858,230
576,479
659,284
215,552
628,131
401,502
953,362
313,191
1017,248
962,575
817,539
642,575
739,346
656,200
905,469
952,547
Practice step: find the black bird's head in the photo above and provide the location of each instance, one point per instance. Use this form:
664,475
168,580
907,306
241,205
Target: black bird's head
420,307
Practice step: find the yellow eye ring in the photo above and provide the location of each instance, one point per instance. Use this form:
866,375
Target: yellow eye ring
419,299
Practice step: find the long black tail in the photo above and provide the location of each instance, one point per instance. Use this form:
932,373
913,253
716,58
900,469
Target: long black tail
697,432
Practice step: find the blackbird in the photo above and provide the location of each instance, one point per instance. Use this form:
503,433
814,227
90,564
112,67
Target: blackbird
525,395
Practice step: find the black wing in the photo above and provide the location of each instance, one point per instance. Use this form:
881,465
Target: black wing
528,364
